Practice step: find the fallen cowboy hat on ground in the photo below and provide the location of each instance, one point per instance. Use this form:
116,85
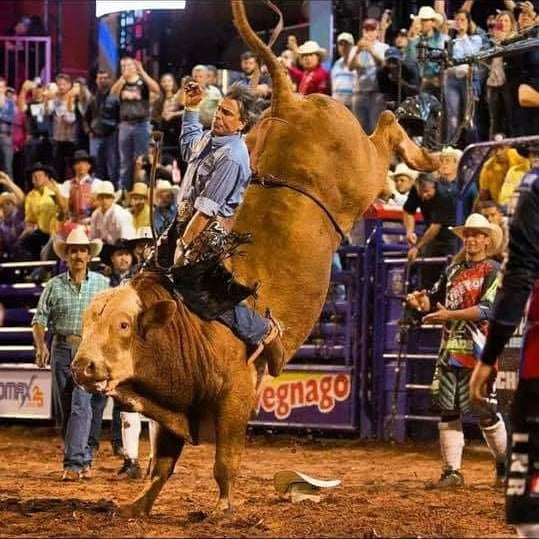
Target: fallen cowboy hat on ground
298,486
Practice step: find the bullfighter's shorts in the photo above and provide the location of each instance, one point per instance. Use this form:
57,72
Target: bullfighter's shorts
522,488
451,392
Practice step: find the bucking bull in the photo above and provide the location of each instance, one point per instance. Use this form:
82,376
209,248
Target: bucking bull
315,171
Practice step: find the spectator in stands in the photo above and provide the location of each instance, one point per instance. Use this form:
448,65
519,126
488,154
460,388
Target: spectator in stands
447,174
401,41
514,176
7,117
458,89
252,76
367,55
38,145
42,207
102,117
165,205
11,224
139,205
343,80
404,178
60,310
64,130
120,259
312,78
110,222
133,88
143,165
396,80
527,17
167,112
495,168
494,214
461,300
429,36
212,94
501,83
438,206
81,96
213,77
78,190
141,244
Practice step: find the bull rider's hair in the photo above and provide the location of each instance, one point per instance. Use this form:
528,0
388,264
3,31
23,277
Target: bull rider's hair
247,103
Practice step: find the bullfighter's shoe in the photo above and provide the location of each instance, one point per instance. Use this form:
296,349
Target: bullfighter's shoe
448,480
71,475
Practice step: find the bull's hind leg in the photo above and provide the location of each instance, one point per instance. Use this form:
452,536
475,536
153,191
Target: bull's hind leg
166,451
231,425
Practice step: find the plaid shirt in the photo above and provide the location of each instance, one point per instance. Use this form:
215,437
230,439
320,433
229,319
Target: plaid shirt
62,304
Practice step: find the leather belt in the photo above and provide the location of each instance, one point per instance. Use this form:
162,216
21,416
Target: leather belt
73,340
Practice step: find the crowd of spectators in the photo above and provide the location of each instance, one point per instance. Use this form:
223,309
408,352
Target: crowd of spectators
86,155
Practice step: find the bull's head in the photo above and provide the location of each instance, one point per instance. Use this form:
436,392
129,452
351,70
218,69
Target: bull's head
112,325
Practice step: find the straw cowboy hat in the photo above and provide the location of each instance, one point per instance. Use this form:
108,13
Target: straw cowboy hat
450,151
476,221
427,13
299,486
165,185
312,47
76,237
140,189
8,196
403,170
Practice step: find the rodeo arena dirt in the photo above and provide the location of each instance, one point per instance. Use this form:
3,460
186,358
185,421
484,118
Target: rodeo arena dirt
319,330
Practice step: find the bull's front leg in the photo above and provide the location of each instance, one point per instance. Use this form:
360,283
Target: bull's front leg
231,426
166,451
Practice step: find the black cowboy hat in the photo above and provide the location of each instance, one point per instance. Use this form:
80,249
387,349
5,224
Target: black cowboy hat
45,167
82,155
525,149
108,250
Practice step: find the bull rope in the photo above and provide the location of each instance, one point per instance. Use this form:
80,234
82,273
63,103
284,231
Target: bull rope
157,137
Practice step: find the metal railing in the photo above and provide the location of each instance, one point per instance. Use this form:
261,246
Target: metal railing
25,58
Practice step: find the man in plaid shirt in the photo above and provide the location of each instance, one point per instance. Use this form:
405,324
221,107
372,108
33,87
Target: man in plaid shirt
60,309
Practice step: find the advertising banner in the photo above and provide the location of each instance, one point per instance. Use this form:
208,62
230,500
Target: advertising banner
25,392
307,398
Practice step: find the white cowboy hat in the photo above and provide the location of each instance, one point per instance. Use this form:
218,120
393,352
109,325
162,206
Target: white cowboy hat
476,221
403,170
143,233
312,47
289,483
76,237
165,185
426,13
103,188
450,151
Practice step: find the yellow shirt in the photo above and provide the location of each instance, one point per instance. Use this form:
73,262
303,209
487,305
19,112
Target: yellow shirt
512,181
142,218
493,173
40,209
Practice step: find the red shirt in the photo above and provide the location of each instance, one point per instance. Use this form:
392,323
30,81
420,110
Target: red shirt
311,82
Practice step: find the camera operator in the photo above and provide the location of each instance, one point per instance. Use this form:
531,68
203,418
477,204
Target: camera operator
422,47
397,80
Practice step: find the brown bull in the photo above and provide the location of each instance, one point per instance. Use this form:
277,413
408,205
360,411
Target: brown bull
320,172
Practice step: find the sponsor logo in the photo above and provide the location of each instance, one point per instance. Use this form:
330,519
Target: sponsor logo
322,391
28,394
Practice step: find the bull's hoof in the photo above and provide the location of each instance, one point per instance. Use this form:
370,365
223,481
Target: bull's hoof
218,514
133,510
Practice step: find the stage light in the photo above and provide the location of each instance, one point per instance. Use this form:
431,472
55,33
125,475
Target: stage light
104,7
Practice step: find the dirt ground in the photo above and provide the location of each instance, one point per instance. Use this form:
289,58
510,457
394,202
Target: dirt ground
382,492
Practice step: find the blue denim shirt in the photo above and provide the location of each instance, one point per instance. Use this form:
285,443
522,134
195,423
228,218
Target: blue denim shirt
7,115
163,218
218,169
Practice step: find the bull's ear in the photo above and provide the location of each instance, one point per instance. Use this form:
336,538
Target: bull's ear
157,315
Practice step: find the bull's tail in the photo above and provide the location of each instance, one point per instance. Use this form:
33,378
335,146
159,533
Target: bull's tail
389,134
281,89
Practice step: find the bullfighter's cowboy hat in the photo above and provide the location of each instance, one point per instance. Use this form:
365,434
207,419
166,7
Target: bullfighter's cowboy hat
427,13
45,167
312,47
476,221
82,155
76,237
140,189
298,486
109,250
403,170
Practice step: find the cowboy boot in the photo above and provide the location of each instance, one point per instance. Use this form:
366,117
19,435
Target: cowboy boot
273,349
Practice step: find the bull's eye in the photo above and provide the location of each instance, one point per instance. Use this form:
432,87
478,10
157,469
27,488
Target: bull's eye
124,325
